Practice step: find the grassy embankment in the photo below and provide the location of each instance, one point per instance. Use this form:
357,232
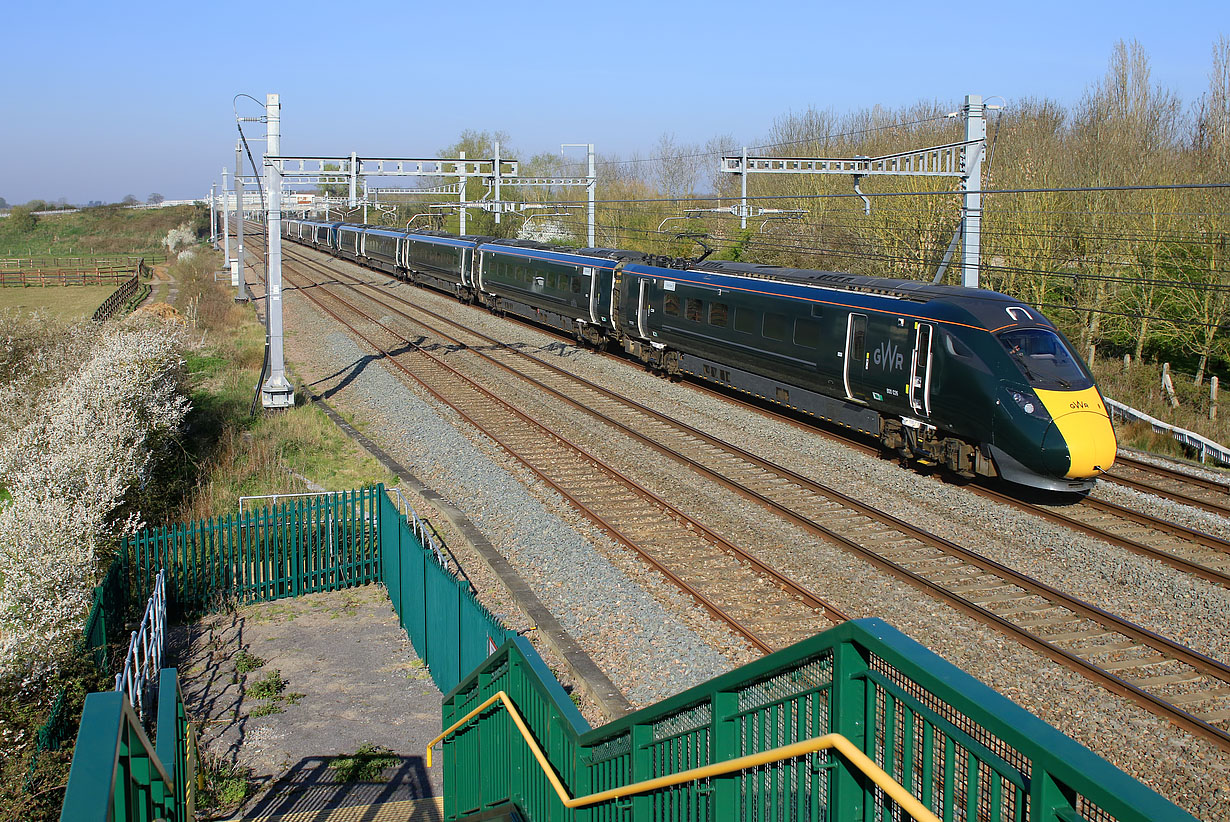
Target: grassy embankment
228,452
1140,386
96,231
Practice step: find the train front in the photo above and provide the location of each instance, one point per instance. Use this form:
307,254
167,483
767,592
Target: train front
1052,430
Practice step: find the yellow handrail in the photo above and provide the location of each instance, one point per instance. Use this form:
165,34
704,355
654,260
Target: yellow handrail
870,769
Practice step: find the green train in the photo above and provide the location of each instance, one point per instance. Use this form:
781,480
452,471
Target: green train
967,379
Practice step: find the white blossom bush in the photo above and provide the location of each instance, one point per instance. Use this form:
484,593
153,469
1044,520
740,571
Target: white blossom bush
68,472
36,351
179,237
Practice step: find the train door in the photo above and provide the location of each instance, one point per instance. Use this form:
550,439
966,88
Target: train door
920,370
855,353
642,309
589,272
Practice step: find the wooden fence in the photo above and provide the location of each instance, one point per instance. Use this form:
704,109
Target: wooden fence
118,298
60,271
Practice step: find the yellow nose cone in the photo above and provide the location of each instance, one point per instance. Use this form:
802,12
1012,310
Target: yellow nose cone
1082,421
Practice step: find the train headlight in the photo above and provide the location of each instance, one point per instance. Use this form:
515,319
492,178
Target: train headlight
1029,403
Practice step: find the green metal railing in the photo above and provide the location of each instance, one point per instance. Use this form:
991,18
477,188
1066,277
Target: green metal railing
298,547
450,629
963,750
801,726
117,773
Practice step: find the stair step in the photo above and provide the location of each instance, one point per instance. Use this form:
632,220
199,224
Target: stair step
400,810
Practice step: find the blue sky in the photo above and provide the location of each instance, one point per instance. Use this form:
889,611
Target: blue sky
101,100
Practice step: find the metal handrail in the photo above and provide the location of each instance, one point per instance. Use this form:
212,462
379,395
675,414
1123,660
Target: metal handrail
425,536
276,497
1204,445
144,658
908,802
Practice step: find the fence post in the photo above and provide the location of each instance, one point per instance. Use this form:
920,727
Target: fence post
1213,398
1168,385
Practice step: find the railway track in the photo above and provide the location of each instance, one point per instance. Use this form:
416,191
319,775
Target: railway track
705,565
1188,688
1199,492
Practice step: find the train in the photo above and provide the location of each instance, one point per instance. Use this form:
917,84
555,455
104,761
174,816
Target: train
968,380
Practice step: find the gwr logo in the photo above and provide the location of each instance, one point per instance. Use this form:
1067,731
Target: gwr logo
1078,404
888,357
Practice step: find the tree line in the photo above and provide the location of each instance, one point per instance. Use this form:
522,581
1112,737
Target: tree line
1120,265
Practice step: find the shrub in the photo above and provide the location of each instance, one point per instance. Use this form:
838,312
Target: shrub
70,472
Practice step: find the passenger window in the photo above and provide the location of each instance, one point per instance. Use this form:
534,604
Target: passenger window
576,284
671,304
776,326
717,314
745,321
695,310
806,334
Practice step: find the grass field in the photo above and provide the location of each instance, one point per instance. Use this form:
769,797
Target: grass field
95,231
68,302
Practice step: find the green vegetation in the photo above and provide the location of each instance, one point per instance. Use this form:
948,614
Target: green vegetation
97,231
21,717
246,663
367,764
67,302
272,689
224,785
228,451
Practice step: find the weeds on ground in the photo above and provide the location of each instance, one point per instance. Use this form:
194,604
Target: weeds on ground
367,764
224,785
246,663
272,689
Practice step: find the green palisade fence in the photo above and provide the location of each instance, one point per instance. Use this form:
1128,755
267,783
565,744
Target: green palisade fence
965,751
323,543
308,545
450,629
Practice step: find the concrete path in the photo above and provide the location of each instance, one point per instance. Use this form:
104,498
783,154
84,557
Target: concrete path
348,677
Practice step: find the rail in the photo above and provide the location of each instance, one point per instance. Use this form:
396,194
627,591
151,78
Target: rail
1202,445
856,757
145,650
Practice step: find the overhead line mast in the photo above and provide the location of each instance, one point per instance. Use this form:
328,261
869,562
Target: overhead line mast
963,160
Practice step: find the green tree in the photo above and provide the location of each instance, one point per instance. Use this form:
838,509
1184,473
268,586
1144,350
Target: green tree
22,220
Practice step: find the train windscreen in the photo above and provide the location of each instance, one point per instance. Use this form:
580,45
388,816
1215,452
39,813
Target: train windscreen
1045,359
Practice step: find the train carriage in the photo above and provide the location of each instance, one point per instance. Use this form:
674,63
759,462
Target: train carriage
441,261
348,241
379,246
964,378
569,291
